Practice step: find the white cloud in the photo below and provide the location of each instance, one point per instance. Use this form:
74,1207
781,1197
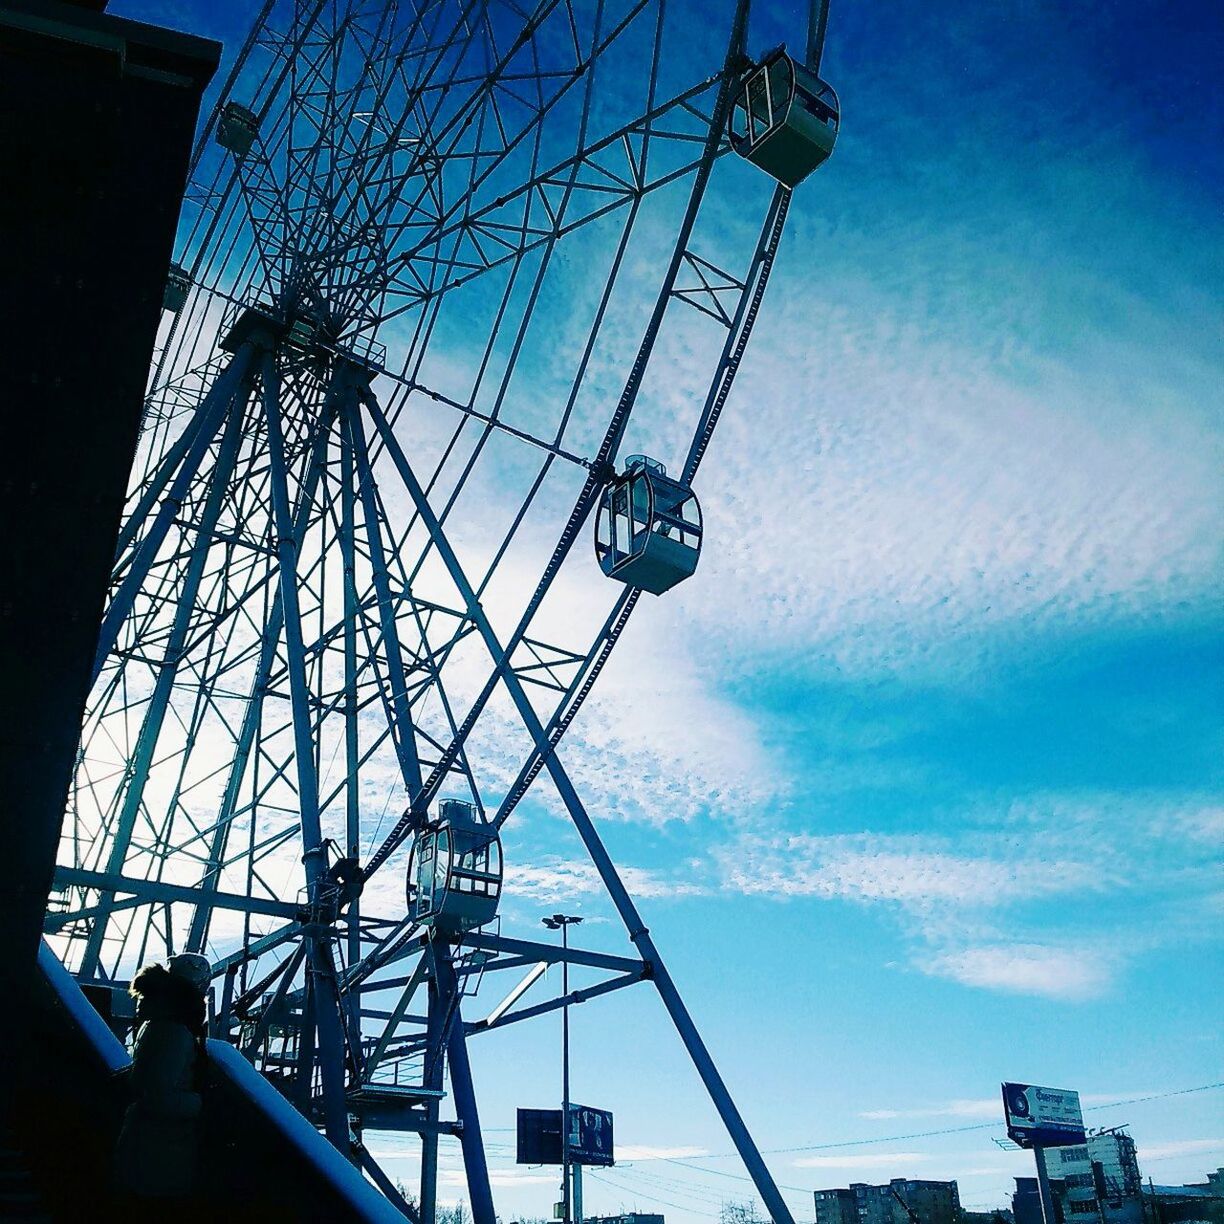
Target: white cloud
980,902
882,498
870,1160
1179,1147
555,879
913,871
500,1177
987,1107
1071,974
643,1151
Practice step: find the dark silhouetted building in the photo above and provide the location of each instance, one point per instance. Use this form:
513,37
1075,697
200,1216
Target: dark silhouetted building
900,1201
1026,1201
836,1207
1194,1203
631,1217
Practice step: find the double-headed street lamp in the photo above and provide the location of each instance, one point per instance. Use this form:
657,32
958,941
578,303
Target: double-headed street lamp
562,923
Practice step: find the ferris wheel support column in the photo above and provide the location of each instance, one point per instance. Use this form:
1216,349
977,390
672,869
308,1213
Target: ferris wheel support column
352,788
209,416
159,702
474,1162
432,1079
328,1006
637,929
269,644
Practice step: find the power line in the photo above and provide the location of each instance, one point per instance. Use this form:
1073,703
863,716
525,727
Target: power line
688,1186
684,1189
950,1130
650,1198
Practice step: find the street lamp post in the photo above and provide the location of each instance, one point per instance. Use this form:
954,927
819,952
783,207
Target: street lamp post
562,923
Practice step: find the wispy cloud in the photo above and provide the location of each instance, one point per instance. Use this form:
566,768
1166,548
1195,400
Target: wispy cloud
987,1107
979,901
641,1151
1072,974
555,879
869,1160
1179,1147
915,871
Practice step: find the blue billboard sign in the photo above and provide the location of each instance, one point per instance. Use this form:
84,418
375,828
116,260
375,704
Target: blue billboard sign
590,1140
1042,1117
590,1137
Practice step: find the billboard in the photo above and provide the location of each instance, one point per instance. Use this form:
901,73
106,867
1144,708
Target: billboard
539,1136
590,1137
590,1140
1042,1117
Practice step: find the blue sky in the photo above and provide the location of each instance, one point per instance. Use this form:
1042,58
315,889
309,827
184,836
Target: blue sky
919,777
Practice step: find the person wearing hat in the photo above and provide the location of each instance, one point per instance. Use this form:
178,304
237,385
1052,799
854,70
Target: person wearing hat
158,1149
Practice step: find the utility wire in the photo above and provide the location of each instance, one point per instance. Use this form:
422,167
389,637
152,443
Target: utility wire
650,1198
950,1130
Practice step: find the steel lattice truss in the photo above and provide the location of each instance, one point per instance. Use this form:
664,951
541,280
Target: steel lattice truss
427,306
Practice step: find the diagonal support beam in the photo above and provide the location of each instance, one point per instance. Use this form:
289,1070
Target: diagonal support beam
253,713
402,730
552,1005
176,649
397,1015
637,929
551,953
210,414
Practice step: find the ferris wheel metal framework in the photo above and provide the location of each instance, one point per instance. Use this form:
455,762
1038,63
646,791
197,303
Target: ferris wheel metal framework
287,592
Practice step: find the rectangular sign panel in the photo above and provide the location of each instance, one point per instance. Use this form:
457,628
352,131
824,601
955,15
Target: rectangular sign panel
590,1137
1042,1117
590,1141
539,1136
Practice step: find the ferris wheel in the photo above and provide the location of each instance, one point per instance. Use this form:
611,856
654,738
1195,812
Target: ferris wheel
438,266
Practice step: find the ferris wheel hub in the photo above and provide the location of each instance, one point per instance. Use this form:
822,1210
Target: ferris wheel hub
302,335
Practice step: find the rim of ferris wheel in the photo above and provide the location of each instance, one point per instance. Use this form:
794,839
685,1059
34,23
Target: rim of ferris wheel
455,870
178,284
784,118
237,128
648,527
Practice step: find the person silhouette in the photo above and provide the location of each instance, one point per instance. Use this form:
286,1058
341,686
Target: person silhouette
157,1154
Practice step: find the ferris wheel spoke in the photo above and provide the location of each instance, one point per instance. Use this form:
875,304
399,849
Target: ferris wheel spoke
608,161
587,497
583,66
430,159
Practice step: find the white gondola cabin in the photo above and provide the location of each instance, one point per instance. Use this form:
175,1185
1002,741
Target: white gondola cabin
455,870
237,128
784,119
648,529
